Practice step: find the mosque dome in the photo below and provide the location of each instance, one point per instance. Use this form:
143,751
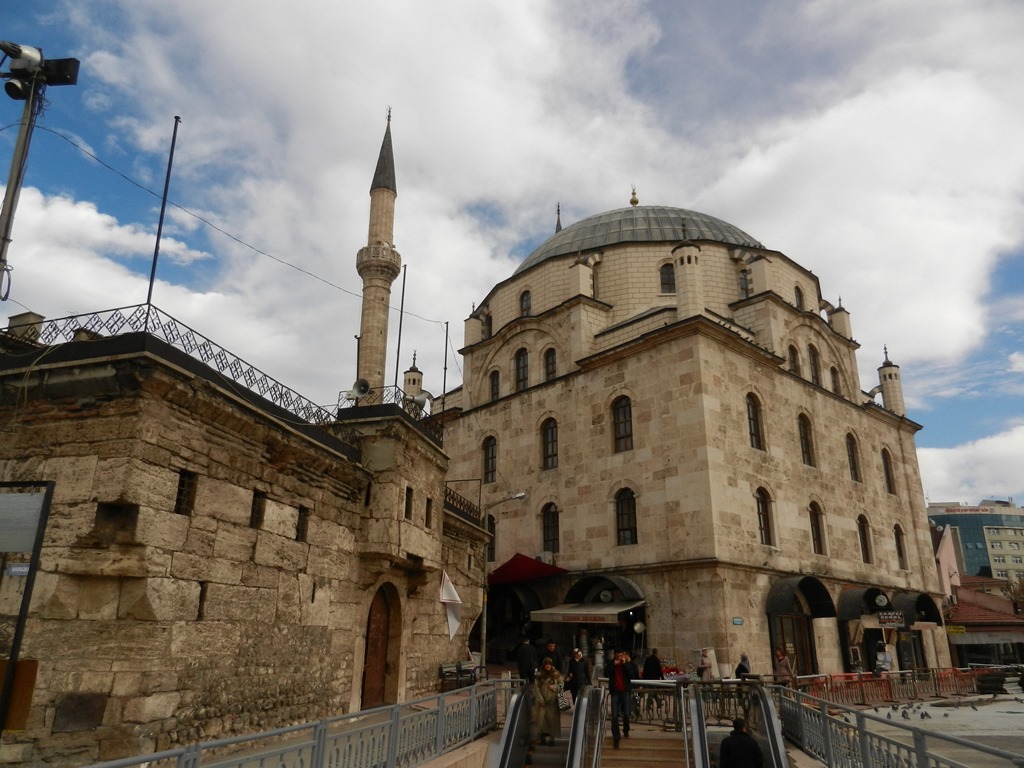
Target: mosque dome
637,224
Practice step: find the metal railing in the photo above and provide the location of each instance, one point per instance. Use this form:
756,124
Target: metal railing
146,318
722,701
844,737
398,736
864,688
587,731
392,395
655,702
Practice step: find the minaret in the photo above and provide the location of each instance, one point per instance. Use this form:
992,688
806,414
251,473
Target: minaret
378,264
892,388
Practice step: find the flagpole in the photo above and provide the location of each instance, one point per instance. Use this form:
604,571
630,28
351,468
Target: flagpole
160,224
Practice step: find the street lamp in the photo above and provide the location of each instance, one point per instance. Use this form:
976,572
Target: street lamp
27,79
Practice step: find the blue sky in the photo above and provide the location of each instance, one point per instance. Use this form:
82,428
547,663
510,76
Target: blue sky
876,143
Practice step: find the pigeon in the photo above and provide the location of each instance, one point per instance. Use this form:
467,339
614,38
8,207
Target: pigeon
974,706
906,715
926,714
876,708
945,714
888,715
846,719
923,715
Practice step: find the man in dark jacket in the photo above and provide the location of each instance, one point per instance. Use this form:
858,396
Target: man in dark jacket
526,661
620,687
577,674
553,652
739,750
652,667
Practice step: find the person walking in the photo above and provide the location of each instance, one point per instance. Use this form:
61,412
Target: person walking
739,749
526,661
620,688
578,674
783,669
652,667
743,668
704,669
548,717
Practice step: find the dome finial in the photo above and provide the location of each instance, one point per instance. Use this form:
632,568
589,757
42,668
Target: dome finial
634,200
558,217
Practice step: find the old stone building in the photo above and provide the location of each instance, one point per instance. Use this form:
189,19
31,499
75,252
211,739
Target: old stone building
222,556
671,413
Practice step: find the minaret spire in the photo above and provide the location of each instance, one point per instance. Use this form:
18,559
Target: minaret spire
378,264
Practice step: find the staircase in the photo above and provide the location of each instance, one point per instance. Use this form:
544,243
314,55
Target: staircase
647,746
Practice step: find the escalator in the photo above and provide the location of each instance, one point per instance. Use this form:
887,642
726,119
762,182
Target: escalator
580,749
713,706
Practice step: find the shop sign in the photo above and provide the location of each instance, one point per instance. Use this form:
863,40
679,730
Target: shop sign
890,619
956,629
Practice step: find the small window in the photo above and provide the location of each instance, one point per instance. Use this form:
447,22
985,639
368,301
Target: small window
754,422
764,516
622,421
837,384
814,363
625,517
806,440
794,360
998,559
525,304
852,457
549,523
302,525
550,365
667,274
487,327
817,518
522,370
890,478
258,509
798,298
185,499
408,502
549,444
495,385
428,513
490,459
744,278
997,545
901,547
864,537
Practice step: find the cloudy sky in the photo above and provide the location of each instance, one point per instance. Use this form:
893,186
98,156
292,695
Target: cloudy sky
878,143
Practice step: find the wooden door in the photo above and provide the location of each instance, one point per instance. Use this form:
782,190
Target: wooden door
375,665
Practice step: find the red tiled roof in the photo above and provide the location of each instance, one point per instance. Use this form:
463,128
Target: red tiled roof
965,613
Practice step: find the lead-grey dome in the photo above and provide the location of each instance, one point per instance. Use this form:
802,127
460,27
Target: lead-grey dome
640,224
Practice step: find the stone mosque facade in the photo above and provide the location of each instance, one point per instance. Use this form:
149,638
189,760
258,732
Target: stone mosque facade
674,451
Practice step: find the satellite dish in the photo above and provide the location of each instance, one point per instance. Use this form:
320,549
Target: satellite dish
361,388
639,627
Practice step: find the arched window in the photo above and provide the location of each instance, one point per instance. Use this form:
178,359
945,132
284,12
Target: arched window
667,273
522,366
764,516
794,360
817,519
550,364
622,422
525,303
491,529
495,385
814,363
890,478
803,425
490,459
625,517
798,298
864,536
837,384
901,547
549,444
754,422
853,457
549,523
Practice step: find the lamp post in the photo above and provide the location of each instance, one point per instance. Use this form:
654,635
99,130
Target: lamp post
27,79
483,612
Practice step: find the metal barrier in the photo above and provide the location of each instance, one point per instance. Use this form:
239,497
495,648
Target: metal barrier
843,737
720,702
398,736
587,731
655,702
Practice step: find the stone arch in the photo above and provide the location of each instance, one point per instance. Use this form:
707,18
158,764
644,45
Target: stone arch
793,603
382,648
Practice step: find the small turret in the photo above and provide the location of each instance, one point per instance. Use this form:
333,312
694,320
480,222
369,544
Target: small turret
891,387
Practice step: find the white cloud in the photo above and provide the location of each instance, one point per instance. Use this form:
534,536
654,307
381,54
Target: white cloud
1016,361
987,468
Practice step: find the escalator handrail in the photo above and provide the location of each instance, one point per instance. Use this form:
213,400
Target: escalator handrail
514,721
587,729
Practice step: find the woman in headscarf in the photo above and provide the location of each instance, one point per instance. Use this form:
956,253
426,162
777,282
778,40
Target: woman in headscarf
743,668
549,719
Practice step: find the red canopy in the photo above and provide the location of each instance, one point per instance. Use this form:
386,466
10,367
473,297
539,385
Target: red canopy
519,568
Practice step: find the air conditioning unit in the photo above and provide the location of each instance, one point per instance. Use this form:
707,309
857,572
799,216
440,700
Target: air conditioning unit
546,557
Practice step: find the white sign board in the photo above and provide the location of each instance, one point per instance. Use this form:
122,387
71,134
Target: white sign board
19,520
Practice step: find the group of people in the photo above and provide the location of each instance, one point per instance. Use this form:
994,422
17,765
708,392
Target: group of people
550,679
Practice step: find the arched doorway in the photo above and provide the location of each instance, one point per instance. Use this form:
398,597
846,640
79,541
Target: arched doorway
383,644
859,628
793,603
919,613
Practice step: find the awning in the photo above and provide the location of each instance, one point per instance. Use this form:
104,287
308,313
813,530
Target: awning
520,568
585,613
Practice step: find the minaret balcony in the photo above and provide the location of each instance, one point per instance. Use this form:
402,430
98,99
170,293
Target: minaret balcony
380,257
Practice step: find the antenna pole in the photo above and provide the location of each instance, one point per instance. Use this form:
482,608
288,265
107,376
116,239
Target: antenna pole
444,376
160,223
401,315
